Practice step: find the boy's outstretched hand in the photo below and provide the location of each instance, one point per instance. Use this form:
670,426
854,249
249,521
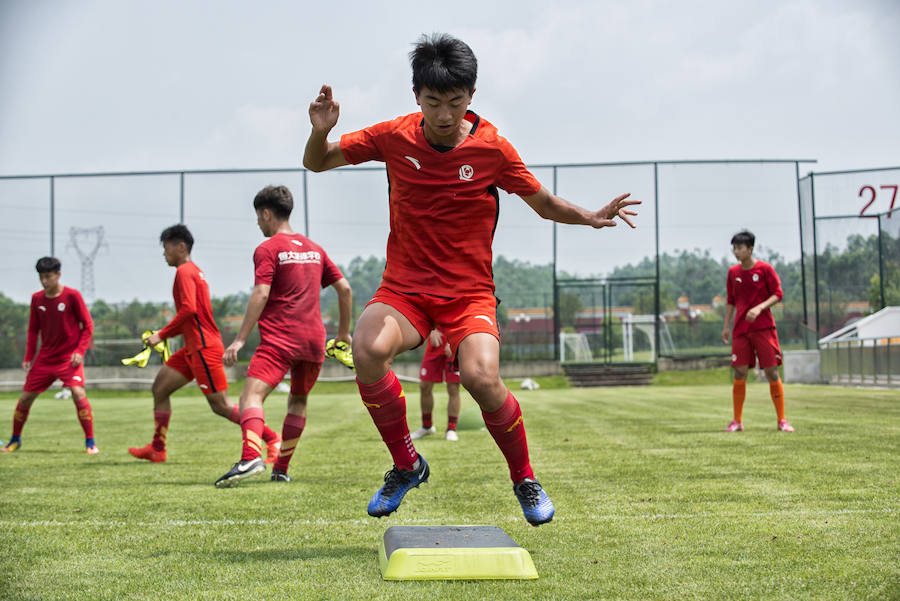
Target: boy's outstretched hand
324,110
605,217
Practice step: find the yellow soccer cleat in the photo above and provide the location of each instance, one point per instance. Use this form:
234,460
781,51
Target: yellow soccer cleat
11,447
340,351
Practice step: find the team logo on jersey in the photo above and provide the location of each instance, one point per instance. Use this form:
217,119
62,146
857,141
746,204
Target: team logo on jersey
413,161
466,172
61,306
290,256
297,242
485,317
42,307
755,277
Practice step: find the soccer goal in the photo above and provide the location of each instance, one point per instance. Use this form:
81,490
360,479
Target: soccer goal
574,348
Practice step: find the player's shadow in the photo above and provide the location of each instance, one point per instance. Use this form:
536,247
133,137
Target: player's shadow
293,554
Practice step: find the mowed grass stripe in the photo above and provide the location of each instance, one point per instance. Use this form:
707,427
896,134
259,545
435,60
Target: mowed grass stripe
654,501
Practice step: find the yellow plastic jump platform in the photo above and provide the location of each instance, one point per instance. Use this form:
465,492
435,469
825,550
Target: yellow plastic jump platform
453,553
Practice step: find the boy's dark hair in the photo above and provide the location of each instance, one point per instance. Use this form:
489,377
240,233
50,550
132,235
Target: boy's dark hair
746,238
177,233
47,265
277,199
443,63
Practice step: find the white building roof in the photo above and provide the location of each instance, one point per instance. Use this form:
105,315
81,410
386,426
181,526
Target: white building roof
884,324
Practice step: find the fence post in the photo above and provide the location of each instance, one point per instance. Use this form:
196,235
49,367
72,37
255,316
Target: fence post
556,333
305,206
656,333
806,341
815,265
881,263
52,215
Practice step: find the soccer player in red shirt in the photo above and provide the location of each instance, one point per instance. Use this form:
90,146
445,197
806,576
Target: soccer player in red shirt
444,166
201,356
437,366
63,322
289,271
753,287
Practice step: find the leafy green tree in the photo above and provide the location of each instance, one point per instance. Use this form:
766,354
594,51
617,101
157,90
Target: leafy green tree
13,331
570,306
891,287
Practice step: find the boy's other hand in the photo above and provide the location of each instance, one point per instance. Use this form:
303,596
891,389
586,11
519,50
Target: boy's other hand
324,110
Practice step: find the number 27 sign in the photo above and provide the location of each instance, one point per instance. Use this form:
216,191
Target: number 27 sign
869,192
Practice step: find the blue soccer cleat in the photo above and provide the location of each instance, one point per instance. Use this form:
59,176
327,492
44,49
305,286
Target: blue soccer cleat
536,505
397,483
13,445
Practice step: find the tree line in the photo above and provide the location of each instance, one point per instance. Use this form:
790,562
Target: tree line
846,274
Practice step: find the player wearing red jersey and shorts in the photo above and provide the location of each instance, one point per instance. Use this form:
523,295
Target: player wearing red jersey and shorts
200,358
444,165
62,321
289,271
753,287
438,366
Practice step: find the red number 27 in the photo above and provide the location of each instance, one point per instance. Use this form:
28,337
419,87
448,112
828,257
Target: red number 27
871,200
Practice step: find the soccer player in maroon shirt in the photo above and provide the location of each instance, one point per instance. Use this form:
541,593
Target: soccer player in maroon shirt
289,271
444,166
438,366
753,287
62,321
201,356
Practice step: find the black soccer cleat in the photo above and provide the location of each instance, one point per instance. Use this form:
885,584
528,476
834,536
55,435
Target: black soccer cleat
241,471
279,476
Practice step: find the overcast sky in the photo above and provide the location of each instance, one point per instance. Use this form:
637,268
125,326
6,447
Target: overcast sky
123,85
126,85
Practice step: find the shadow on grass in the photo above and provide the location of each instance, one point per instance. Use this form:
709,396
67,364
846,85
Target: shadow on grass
304,553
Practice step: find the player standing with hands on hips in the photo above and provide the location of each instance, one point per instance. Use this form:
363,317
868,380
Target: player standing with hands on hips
753,287
444,167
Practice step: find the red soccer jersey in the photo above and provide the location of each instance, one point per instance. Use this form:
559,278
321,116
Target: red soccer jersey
746,289
64,324
295,267
193,310
443,205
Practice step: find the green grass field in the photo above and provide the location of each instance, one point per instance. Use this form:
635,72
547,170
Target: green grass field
653,500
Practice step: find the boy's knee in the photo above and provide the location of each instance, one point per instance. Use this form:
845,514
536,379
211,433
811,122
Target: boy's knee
481,382
371,352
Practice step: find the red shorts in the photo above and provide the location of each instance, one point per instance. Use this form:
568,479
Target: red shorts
455,317
269,364
203,364
756,343
438,368
42,375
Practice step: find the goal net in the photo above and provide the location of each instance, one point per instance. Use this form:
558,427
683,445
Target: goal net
574,348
